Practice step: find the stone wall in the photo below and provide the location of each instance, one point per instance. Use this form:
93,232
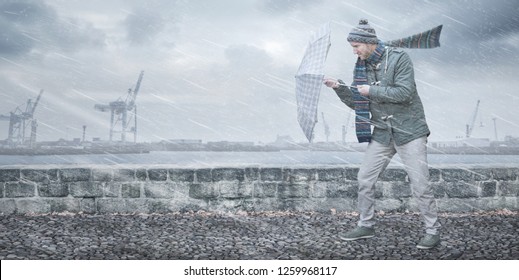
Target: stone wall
161,190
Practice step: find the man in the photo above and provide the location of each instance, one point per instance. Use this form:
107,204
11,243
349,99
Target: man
384,87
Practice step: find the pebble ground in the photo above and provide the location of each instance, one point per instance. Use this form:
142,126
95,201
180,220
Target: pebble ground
247,236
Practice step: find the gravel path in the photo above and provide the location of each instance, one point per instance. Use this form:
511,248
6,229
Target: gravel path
273,235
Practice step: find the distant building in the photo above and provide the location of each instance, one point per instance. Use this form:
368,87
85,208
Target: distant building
284,142
185,141
466,142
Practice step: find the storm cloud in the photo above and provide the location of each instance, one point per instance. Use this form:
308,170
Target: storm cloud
33,26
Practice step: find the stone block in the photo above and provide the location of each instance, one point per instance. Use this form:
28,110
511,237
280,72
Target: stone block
379,187
85,189
457,175
330,174
110,189
9,175
489,203
158,205
161,205
88,205
158,174
488,189
393,174
182,175
60,205
75,174
111,205
339,204
131,190
203,175
342,190
438,189
293,190
300,175
319,188
409,204
31,205
461,190
396,190
136,205
434,175
295,204
482,174
389,204
39,175
20,189
141,174
228,174
53,189
7,206
262,190
231,205
235,189
122,206
351,174
263,204
124,175
252,173
505,174
505,188
102,175
456,205
511,203
165,189
271,174
203,190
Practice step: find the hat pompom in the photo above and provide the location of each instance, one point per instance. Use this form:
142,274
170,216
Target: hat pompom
363,33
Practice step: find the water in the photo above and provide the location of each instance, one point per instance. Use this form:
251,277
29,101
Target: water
237,159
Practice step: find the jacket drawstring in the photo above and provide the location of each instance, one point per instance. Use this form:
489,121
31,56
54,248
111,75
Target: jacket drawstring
387,57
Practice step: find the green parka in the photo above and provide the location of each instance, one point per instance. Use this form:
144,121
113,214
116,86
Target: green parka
396,109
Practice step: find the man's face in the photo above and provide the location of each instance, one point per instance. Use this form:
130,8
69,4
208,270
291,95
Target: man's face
363,51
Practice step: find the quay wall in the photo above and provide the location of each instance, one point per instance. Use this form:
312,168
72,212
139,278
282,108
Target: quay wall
105,189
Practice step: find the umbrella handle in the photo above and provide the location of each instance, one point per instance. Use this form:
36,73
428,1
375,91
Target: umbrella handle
339,82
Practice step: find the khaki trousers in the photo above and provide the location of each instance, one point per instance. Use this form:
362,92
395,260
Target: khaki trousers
414,158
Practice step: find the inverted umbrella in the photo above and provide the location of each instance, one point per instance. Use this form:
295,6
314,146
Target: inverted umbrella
309,80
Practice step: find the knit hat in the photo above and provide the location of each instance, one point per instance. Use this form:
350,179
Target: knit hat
363,33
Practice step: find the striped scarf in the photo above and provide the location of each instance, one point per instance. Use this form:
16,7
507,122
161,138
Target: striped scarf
425,40
360,77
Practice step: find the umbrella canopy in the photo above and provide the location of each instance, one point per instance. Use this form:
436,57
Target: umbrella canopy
309,80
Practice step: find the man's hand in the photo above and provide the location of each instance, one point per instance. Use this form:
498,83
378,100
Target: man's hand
363,90
329,82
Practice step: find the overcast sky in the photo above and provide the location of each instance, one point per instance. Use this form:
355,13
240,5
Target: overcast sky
224,70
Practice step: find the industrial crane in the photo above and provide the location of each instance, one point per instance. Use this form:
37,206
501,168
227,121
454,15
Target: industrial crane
19,121
472,121
123,111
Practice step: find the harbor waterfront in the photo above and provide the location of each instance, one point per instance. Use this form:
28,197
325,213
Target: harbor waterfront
231,159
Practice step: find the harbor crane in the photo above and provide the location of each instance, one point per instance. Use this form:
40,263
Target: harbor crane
495,128
20,121
472,121
123,112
